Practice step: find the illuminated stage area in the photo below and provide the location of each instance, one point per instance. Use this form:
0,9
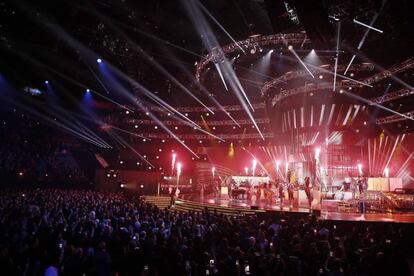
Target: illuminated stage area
328,210
207,137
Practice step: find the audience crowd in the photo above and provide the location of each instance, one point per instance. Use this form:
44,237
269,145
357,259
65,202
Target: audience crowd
82,232
27,150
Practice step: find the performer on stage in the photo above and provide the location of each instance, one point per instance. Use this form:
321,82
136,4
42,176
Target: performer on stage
230,188
281,194
290,194
269,193
360,186
308,191
172,195
258,193
354,186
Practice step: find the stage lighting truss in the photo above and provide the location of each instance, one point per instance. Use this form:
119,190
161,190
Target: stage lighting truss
392,96
210,123
252,43
304,73
231,137
344,84
395,118
200,109
398,68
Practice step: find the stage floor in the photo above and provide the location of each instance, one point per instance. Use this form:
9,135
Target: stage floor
328,208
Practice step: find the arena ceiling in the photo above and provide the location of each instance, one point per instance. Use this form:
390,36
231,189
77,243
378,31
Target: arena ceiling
47,40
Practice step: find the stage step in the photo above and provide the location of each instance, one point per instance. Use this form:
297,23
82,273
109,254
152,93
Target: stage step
159,201
186,206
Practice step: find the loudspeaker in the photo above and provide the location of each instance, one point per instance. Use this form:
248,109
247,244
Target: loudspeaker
254,207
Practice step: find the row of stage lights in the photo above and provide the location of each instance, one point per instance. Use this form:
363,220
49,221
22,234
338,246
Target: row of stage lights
176,167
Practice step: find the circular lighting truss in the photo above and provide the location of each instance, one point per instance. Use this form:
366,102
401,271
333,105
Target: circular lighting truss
312,86
251,45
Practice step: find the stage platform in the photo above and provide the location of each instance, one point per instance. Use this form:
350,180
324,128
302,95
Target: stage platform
328,209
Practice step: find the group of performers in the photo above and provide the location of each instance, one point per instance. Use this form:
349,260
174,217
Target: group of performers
267,193
356,186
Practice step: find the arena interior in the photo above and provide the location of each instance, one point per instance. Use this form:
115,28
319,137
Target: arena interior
207,137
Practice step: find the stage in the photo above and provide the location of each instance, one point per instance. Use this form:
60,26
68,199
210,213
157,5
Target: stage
328,209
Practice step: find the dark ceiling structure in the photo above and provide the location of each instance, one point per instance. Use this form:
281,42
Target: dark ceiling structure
158,45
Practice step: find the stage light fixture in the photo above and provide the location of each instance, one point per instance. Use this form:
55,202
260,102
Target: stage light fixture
386,172
179,167
127,112
136,126
320,76
46,82
122,185
360,169
99,60
290,47
317,153
88,90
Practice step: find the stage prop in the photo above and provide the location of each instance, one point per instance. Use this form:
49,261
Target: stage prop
384,184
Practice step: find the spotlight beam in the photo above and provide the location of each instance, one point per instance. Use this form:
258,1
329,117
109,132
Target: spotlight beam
375,104
219,25
257,161
367,26
300,61
160,102
330,72
337,54
58,125
393,150
76,45
64,115
221,76
210,42
362,41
